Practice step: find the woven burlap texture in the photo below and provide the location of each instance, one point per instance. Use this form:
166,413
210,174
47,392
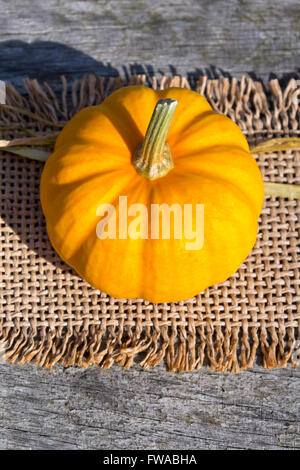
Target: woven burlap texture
49,315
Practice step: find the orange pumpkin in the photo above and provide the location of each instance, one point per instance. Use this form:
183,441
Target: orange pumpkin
111,150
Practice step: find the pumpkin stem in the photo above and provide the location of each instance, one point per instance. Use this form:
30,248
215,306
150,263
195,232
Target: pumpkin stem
152,159
282,190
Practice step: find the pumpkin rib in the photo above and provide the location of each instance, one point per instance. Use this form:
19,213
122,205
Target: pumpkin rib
212,177
70,125
81,146
212,130
127,115
124,130
91,126
115,203
222,177
188,110
228,269
67,167
236,219
179,135
77,184
87,178
82,143
105,199
207,149
147,252
188,124
173,248
235,222
139,187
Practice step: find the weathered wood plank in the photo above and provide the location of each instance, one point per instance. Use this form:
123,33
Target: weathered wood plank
118,409
230,37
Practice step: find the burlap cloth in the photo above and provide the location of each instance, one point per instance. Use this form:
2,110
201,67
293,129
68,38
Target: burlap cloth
49,315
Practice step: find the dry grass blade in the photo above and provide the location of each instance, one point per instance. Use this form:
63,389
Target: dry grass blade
40,140
277,145
28,152
291,191
31,115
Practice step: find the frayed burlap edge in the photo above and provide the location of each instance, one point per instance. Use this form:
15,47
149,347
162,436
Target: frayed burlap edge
154,333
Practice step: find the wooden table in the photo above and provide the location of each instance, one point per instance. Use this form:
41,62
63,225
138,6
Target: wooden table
117,409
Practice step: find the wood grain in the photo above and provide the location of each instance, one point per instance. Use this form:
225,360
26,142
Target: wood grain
117,409
220,37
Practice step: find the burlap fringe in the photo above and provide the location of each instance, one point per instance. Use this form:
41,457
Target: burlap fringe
184,348
189,344
255,110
